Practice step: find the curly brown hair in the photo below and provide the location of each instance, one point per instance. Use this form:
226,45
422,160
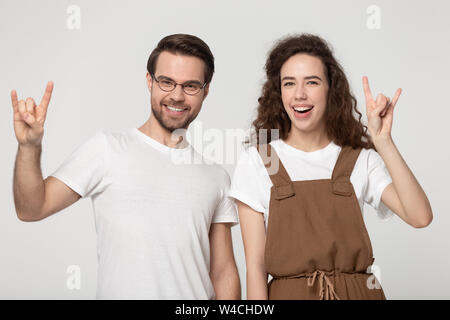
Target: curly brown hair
342,118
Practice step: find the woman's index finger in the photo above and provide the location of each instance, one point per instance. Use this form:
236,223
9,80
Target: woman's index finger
366,87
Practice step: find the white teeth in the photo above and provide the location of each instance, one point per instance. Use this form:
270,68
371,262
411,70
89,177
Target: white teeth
174,109
302,108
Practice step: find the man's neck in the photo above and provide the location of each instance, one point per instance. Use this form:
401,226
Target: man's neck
154,130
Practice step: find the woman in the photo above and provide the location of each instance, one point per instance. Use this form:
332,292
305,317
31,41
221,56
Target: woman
316,245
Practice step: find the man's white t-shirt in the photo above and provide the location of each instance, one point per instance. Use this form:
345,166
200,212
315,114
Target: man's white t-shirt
152,214
251,183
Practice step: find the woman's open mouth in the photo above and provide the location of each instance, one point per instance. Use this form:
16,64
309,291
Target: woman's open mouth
302,111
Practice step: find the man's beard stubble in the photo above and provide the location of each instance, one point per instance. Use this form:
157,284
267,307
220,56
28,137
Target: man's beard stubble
166,126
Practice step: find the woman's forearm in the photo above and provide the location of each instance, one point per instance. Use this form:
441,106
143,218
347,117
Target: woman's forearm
417,208
256,284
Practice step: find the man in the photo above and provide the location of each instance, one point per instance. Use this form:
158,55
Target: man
163,228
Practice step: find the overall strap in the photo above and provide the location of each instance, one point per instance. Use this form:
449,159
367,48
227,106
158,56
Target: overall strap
343,169
282,183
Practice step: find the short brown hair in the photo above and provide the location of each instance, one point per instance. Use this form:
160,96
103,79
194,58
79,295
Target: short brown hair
184,44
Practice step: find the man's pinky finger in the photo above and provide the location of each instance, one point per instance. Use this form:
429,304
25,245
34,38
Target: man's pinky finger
14,100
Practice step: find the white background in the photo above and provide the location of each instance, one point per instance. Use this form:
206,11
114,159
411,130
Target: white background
99,74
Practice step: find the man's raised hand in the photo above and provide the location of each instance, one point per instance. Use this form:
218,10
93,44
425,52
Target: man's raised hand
29,118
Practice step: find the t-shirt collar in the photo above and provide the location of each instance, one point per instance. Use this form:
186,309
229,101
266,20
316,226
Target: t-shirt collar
312,154
157,145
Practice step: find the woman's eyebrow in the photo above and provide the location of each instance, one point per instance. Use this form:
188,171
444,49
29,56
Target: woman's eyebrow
313,77
306,78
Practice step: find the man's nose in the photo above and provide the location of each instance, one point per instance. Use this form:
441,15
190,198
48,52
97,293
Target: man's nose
177,94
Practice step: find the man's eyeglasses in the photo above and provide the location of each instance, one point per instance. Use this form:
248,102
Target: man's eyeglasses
189,87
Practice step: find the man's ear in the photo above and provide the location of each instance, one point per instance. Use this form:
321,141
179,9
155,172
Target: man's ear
149,81
206,89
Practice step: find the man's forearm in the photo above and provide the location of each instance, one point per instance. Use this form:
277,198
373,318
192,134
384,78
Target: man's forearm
28,184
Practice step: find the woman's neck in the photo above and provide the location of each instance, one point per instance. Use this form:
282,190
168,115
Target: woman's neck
307,141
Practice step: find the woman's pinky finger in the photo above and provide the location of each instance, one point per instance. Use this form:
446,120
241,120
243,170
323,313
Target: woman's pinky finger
396,96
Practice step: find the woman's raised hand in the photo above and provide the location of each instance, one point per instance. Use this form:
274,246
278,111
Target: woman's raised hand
379,112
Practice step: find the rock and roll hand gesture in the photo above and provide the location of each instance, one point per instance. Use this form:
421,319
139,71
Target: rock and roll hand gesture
29,118
379,112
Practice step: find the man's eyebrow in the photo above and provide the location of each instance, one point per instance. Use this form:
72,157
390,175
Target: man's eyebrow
306,78
164,77
167,78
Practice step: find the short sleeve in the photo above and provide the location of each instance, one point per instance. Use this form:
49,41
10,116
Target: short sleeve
83,171
226,210
251,183
378,180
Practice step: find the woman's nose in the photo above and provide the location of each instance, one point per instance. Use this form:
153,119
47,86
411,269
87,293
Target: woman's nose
300,93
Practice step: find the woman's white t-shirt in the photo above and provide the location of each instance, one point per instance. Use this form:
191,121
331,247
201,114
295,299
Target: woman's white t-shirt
251,183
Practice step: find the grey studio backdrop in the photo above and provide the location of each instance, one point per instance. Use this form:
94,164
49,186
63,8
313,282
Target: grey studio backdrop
96,54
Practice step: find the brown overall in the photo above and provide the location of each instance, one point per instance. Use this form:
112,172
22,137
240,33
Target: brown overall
317,245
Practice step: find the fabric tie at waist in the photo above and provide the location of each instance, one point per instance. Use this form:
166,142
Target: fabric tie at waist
326,291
